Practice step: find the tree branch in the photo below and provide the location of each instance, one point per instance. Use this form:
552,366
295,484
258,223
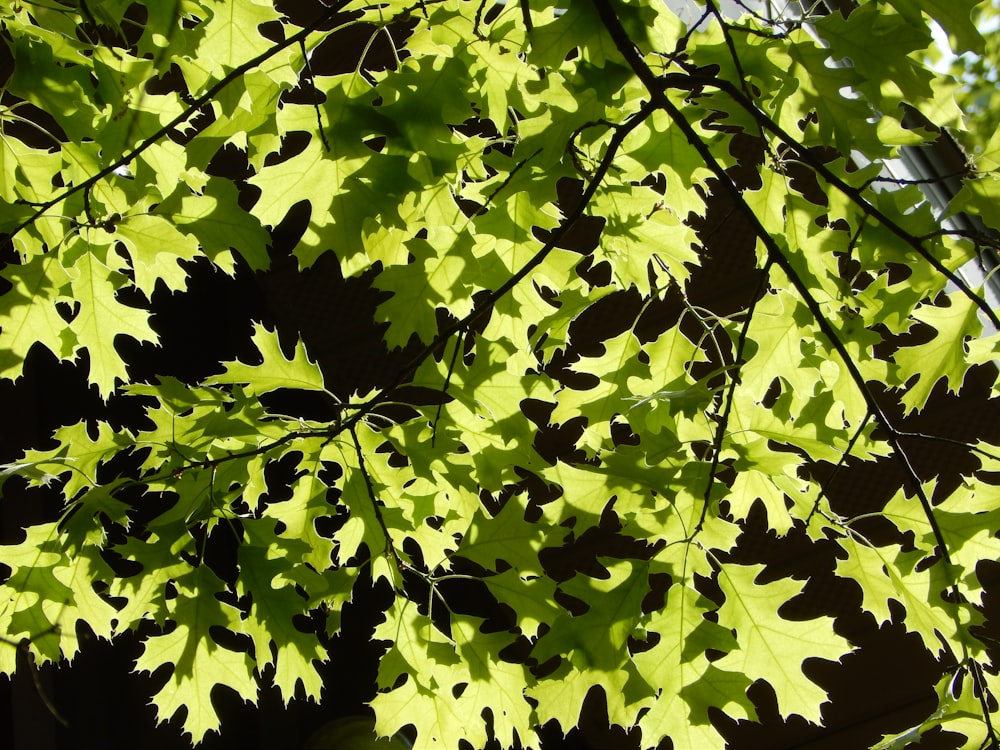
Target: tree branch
628,50
854,194
196,105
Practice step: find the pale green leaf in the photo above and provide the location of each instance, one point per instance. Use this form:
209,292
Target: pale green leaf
772,648
276,371
944,356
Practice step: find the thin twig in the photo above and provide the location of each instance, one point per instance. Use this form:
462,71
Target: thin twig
315,97
36,677
950,441
843,459
723,422
447,381
526,16
506,181
730,45
922,181
984,692
389,546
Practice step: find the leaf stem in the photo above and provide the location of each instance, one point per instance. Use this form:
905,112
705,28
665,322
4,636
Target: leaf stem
390,548
315,95
950,441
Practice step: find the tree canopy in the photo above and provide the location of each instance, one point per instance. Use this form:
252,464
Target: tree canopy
505,174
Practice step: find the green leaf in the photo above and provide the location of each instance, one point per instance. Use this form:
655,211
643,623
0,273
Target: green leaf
967,519
815,87
777,329
944,356
596,639
869,567
602,402
102,317
593,647
48,591
156,247
579,26
229,37
687,684
29,314
215,219
275,605
979,197
770,477
506,537
959,711
954,17
79,455
198,663
276,371
772,648
466,666
63,91
879,45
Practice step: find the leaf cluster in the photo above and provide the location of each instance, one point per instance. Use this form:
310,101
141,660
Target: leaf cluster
457,160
